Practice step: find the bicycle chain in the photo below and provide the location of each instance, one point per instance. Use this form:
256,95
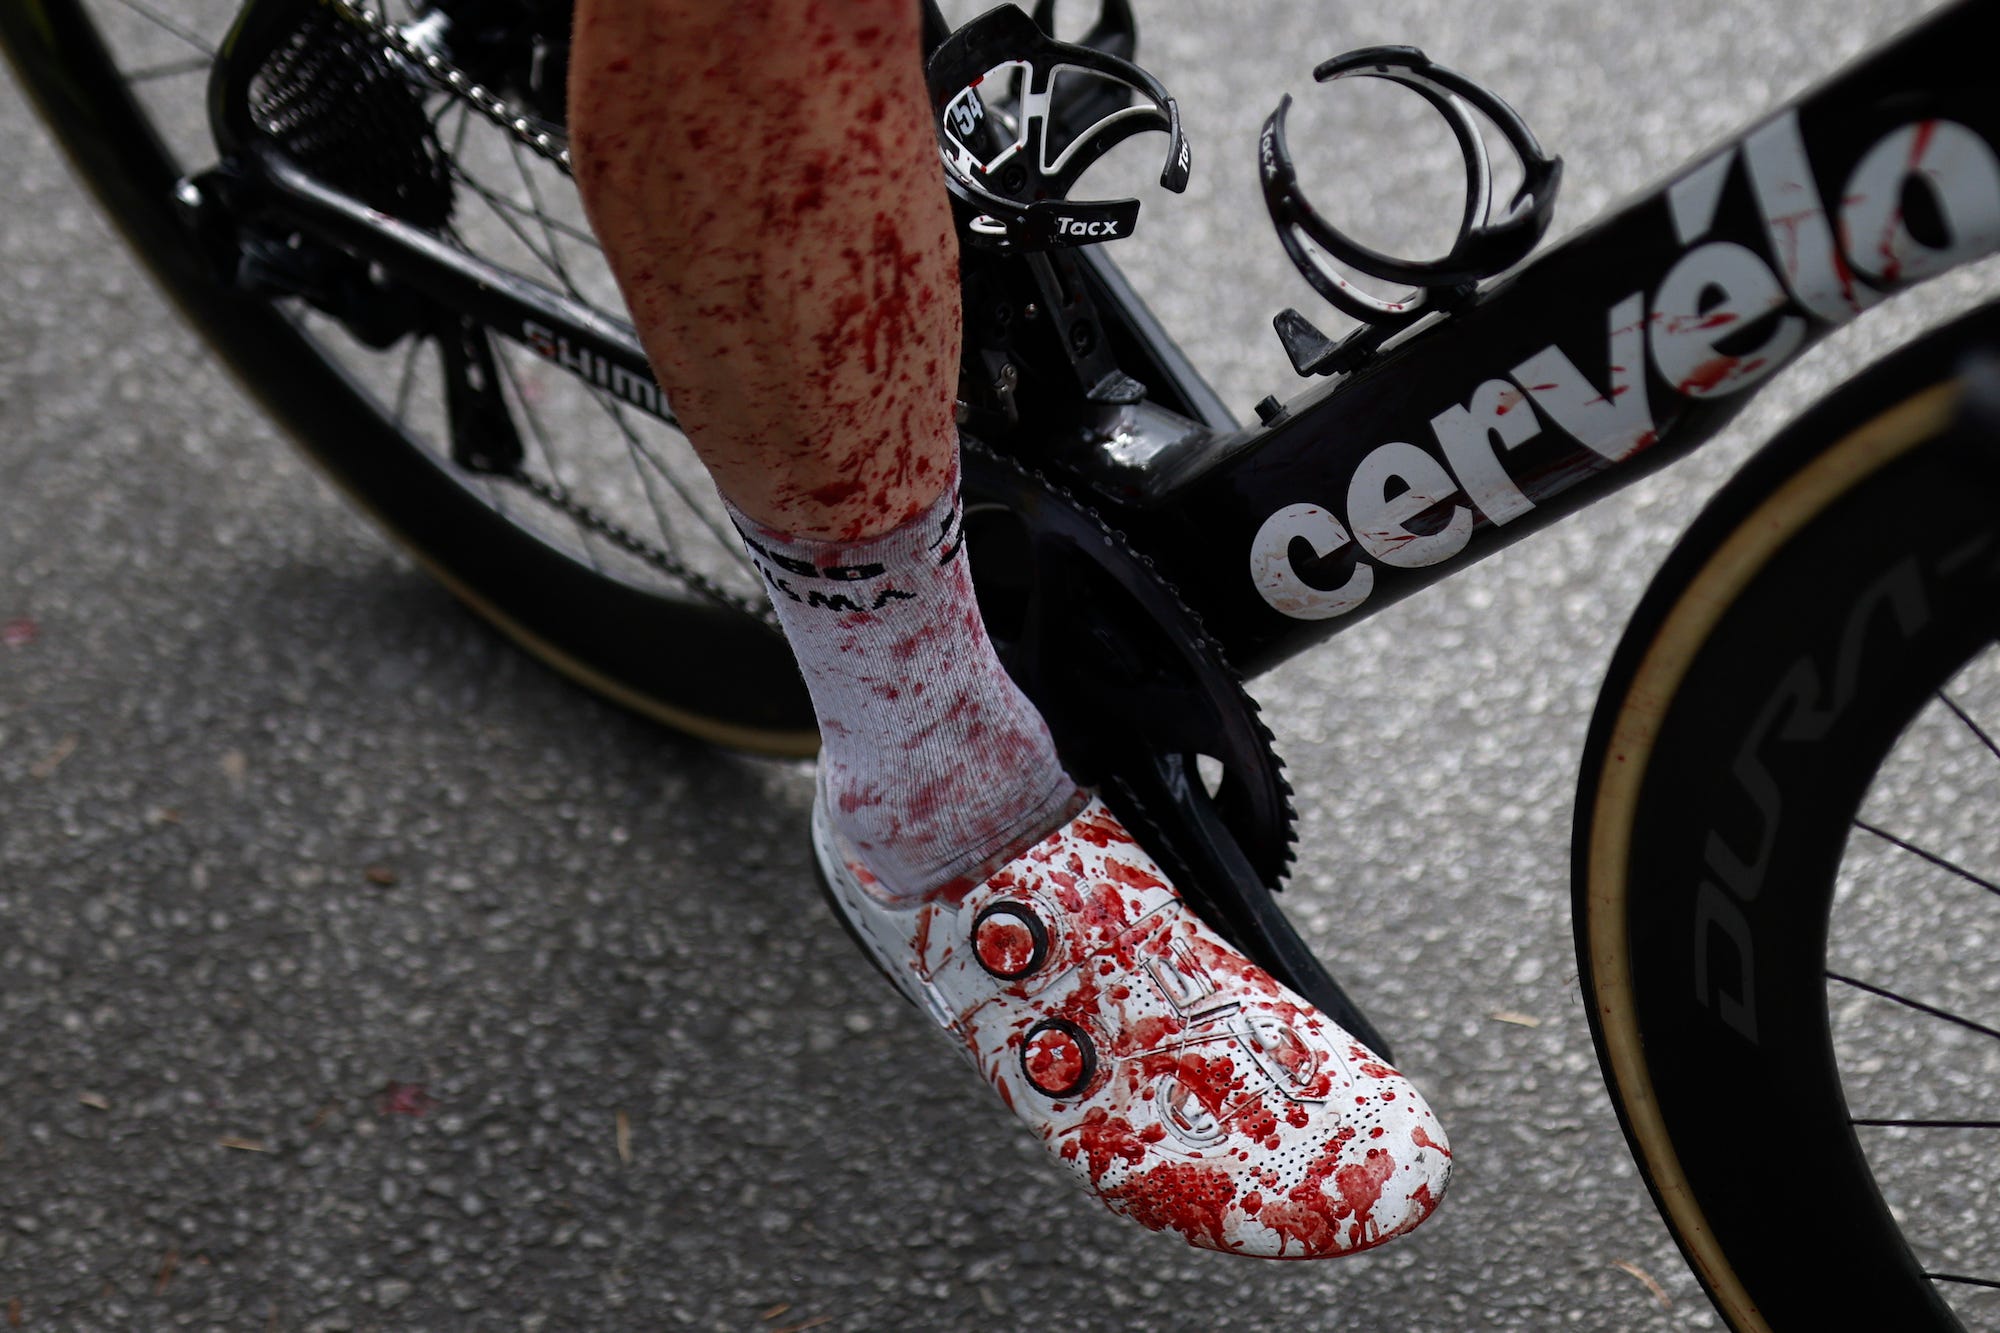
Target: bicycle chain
535,134
547,143
557,497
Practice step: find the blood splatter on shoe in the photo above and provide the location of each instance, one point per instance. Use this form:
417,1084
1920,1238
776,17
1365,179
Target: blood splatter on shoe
1176,1080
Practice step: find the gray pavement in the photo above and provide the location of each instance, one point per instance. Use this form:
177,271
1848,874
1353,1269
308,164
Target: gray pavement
357,973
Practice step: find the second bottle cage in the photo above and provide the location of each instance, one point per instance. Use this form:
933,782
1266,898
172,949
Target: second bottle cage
1486,245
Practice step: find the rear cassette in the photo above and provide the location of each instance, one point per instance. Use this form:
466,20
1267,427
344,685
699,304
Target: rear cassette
335,103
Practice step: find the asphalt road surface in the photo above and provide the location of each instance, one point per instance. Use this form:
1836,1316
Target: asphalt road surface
356,972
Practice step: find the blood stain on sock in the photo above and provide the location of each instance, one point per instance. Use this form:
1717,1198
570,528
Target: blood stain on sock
852,800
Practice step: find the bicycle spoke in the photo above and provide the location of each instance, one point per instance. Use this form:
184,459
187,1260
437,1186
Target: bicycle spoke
1917,1005
1928,1124
726,536
508,210
153,73
541,216
635,450
637,447
457,135
1936,860
1968,1281
535,428
520,234
1970,725
407,380
153,16
555,223
445,107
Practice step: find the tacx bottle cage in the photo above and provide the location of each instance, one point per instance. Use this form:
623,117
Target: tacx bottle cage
1010,164
1485,245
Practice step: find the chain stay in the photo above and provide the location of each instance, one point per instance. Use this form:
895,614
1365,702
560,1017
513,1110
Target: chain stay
558,497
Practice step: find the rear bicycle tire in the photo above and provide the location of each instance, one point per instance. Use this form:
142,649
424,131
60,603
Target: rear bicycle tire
1811,612
709,670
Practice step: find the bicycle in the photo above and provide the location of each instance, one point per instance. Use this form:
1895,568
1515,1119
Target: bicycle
498,528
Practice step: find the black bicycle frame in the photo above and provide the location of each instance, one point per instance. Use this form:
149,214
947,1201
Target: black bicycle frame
1603,359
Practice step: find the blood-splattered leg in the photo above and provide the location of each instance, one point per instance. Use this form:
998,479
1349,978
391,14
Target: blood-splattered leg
764,177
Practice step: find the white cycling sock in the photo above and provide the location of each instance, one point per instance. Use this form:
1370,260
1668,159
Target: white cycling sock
935,766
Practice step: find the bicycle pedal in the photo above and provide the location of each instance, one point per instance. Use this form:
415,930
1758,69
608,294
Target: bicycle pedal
1486,245
1010,161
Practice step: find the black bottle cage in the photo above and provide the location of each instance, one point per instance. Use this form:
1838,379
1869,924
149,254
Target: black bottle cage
1001,177
1484,247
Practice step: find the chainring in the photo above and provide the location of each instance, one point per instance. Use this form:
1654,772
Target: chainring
1144,707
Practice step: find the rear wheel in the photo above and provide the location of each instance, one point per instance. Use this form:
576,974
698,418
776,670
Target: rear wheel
612,560
1787,852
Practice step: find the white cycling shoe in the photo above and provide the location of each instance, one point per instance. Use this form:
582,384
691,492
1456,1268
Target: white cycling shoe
1178,1081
